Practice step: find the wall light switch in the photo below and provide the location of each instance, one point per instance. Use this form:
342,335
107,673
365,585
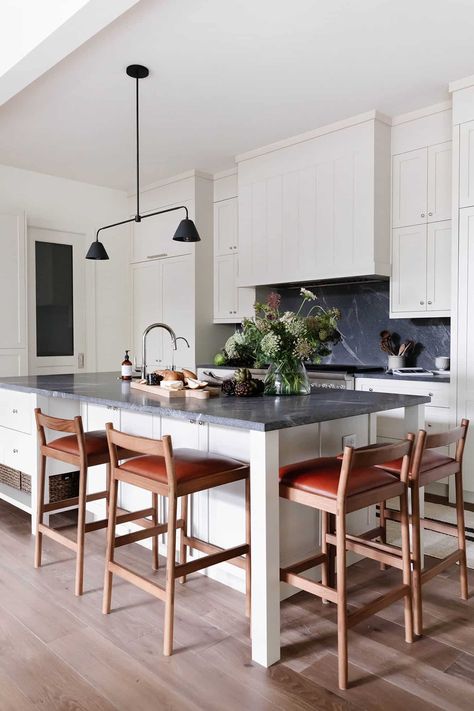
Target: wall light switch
349,440
80,360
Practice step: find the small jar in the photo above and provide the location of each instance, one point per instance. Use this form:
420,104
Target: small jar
396,361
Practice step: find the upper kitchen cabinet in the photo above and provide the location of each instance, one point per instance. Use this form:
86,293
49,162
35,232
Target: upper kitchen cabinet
231,302
316,206
13,289
421,185
466,164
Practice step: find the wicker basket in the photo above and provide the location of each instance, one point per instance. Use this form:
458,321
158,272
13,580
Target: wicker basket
10,476
26,482
63,486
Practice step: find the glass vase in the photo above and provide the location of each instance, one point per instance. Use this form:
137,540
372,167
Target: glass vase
287,379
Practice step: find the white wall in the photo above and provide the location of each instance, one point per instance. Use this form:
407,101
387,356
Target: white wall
58,203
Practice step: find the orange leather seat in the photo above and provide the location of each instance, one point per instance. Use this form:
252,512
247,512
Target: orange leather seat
434,466
321,477
189,464
96,443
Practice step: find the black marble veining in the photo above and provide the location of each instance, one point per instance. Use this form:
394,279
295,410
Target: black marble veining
257,413
365,313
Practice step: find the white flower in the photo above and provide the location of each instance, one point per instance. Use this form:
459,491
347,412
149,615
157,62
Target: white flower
307,294
270,345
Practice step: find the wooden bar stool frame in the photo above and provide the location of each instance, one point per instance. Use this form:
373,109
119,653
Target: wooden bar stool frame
173,491
337,509
82,462
421,575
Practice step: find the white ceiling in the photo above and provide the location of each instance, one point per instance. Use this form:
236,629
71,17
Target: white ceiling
231,75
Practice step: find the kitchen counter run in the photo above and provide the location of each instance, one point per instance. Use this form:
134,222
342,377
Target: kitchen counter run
263,414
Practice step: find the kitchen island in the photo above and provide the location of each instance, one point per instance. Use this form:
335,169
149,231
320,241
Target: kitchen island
266,431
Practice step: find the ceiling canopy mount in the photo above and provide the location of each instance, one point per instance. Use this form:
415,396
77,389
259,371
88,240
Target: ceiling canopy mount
186,231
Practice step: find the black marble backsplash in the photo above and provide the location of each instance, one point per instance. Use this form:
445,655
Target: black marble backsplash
365,313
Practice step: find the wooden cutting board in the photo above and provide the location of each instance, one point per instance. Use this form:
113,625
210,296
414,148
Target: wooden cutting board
174,394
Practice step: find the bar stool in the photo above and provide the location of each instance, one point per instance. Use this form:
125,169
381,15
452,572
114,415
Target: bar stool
428,466
82,450
338,486
156,468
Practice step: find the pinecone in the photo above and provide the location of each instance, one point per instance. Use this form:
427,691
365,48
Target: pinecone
228,386
245,389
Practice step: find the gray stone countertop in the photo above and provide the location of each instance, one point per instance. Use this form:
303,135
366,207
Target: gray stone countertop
253,413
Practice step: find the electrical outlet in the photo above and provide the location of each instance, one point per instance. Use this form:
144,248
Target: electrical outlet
349,440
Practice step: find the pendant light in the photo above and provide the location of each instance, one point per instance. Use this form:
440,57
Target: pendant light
186,231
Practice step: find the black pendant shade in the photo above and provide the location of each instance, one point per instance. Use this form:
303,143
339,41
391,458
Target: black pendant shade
97,251
186,231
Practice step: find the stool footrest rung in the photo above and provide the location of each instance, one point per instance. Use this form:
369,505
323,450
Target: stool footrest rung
56,536
140,535
305,564
381,552
224,554
310,586
437,568
205,547
136,579
353,618
74,501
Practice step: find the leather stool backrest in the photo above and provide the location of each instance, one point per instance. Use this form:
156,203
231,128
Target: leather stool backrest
133,446
57,424
371,456
426,441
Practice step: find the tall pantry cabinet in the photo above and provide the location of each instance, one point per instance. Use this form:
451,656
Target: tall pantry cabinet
170,281
462,351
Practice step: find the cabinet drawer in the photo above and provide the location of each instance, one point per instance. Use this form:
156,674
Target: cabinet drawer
16,410
18,450
438,392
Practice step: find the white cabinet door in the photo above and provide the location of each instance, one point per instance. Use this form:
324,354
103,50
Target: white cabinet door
147,308
439,266
177,295
225,227
410,188
466,167
225,287
408,282
152,238
13,282
439,182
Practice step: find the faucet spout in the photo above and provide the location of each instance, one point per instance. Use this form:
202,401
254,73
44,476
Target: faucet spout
144,340
182,338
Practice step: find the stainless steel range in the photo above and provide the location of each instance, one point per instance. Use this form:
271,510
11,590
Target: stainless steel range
330,377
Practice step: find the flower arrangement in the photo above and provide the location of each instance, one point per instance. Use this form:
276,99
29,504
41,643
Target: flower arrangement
285,340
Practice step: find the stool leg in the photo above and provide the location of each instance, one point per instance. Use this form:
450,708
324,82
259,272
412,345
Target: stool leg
81,522
332,553
324,550
405,530
108,470
40,505
170,578
461,535
109,557
248,556
184,532
416,544
341,600
154,540
383,526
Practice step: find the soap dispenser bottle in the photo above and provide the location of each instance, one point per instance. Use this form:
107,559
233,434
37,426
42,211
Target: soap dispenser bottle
127,367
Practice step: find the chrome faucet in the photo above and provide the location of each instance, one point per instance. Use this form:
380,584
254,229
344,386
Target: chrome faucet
182,338
144,337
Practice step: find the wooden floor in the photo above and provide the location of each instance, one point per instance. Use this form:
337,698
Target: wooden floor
60,652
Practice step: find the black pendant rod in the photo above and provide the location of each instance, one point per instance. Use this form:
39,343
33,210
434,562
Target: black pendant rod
137,119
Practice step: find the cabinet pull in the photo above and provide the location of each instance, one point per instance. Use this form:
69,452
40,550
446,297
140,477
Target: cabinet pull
15,451
371,390
422,214
422,303
430,394
14,412
156,256
430,302
430,214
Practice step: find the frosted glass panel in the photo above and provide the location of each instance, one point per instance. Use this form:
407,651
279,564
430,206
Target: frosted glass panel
54,299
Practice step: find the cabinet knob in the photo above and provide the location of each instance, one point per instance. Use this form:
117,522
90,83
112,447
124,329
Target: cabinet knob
15,451
430,394
430,302
430,214
371,390
14,412
421,303
422,214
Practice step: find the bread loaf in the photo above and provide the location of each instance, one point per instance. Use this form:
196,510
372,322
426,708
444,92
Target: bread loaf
189,374
173,375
